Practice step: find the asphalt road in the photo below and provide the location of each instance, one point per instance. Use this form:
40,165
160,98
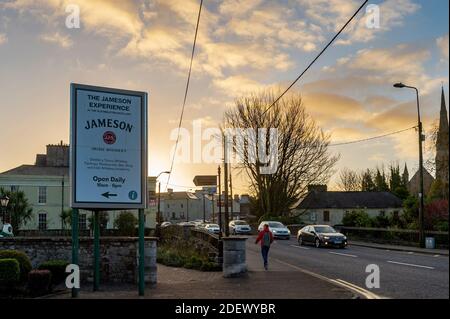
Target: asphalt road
403,275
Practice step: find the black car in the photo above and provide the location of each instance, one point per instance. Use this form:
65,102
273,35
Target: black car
321,236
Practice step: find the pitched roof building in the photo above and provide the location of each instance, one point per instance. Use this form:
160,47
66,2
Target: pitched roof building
329,207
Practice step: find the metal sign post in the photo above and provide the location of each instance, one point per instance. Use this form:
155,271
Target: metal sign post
75,244
96,251
108,160
141,253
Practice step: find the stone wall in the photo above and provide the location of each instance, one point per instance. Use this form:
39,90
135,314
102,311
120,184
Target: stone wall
118,255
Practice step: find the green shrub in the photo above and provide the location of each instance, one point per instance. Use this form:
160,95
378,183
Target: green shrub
357,218
9,271
39,282
22,259
126,223
57,268
193,262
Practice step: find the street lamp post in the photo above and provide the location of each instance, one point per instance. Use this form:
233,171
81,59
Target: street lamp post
421,139
158,214
4,200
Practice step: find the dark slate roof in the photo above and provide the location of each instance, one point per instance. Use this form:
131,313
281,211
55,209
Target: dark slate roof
319,200
38,170
178,195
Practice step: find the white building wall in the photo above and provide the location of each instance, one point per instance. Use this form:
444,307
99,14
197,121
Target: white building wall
316,216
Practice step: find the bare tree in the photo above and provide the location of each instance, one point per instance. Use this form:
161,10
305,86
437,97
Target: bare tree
302,150
349,180
430,147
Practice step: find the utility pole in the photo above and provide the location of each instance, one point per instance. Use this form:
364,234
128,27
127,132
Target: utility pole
231,194
225,172
220,203
158,215
204,207
212,207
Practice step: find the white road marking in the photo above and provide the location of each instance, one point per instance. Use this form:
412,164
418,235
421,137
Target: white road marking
412,265
341,254
299,247
436,255
410,253
364,292
361,291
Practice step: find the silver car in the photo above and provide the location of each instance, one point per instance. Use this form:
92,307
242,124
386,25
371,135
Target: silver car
238,227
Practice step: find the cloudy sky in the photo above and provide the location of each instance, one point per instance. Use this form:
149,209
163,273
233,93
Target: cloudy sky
243,46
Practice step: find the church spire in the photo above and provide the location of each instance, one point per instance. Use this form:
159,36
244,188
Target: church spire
442,146
443,122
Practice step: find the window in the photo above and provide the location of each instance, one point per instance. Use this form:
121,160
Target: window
312,216
382,213
14,188
173,215
168,206
82,222
182,215
181,205
42,221
326,216
42,196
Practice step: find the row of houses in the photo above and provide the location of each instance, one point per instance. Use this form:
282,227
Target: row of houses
47,187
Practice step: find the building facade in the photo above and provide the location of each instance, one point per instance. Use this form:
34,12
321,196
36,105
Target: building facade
46,185
179,207
324,207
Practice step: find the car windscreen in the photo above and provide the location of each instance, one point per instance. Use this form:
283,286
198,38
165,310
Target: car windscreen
276,225
324,229
213,226
240,223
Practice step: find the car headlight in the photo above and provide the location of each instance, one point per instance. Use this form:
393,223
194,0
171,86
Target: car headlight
326,237
289,232
345,237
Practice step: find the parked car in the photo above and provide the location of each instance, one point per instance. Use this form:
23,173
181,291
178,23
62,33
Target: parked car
165,224
239,227
321,235
278,229
212,228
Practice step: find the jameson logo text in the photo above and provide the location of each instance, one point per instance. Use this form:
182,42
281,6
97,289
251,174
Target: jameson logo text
124,126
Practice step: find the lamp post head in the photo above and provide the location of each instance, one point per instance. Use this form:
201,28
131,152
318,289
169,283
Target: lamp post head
399,85
4,200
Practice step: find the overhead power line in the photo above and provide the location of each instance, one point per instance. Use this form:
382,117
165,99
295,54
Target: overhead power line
373,138
317,57
186,91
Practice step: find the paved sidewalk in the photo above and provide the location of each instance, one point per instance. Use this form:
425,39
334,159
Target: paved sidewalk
279,282
401,248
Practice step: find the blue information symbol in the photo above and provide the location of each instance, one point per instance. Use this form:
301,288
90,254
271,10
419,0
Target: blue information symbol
132,195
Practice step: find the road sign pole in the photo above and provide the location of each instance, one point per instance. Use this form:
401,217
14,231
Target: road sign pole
96,251
141,253
75,245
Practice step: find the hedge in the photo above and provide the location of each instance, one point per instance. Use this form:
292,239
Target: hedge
22,259
9,271
57,268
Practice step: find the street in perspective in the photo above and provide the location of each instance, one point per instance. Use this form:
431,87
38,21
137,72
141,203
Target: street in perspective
224,150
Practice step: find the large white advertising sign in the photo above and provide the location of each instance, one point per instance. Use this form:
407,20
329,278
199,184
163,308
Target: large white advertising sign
108,148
